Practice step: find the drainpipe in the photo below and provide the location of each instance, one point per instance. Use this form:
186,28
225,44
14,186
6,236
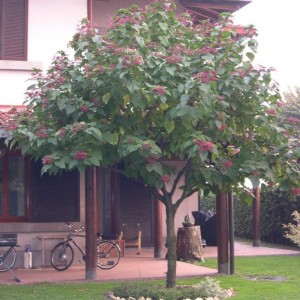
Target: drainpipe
90,11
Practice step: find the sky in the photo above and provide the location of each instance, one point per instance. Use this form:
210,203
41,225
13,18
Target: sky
278,26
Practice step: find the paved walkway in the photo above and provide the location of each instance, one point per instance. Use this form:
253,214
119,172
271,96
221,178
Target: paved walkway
133,266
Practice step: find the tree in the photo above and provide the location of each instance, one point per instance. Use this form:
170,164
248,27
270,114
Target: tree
155,89
293,230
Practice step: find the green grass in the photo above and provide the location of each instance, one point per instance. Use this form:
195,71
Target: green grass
286,267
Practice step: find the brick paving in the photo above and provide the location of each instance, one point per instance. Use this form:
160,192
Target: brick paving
134,266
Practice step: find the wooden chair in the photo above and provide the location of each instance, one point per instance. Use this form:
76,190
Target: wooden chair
132,235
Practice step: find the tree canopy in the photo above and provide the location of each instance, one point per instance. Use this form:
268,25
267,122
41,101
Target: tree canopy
158,87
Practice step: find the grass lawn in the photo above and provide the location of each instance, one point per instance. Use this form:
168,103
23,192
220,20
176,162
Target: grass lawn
256,278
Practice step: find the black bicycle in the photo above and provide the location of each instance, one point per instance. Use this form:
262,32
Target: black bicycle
62,255
8,254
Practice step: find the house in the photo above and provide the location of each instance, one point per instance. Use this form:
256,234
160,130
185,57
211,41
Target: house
36,206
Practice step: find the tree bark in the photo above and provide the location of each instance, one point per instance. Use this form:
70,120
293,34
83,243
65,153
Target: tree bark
189,246
222,232
256,218
91,222
171,245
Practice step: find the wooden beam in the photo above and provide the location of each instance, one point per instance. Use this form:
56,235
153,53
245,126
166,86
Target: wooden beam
231,6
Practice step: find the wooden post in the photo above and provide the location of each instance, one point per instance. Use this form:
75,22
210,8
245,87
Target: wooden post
158,240
256,218
91,222
189,245
222,232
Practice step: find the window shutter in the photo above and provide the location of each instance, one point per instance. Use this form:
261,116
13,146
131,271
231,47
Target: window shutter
14,29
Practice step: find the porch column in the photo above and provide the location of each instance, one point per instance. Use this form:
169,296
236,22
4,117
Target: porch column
158,240
91,222
222,232
90,11
256,218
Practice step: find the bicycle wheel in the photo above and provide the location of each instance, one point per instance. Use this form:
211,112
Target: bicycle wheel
8,258
62,256
108,254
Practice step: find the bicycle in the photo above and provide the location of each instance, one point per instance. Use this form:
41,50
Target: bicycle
62,255
8,253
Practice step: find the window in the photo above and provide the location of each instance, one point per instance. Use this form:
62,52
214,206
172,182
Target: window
13,29
12,187
25,195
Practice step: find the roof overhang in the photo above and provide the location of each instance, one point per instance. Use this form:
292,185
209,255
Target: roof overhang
210,9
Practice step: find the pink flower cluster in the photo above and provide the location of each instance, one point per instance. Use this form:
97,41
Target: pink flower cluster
11,126
205,77
227,164
295,191
165,178
271,112
61,133
132,60
76,127
47,160
293,120
159,90
223,127
207,49
80,155
173,59
42,133
152,159
204,145
84,108
122,20
147,146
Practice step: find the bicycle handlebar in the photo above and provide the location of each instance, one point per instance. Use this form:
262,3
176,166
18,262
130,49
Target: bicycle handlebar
73,229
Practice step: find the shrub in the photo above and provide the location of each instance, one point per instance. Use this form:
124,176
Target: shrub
293,230
275,209
207,288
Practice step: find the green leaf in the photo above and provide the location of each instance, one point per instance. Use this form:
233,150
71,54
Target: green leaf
105,98
169,125
163,26
250,55
164,40
218,124
126,99
95,132
203,155
184,99
111,138
171,70
140,41
95,161
156,167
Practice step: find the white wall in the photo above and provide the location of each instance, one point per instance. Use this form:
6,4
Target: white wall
52,23
188,205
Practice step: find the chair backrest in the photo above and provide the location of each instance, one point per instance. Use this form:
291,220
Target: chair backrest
131,231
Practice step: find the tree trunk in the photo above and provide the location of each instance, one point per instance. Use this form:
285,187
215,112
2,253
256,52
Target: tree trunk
91,223
171,244
222,232
189,246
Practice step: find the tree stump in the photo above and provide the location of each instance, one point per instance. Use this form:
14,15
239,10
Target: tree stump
189,245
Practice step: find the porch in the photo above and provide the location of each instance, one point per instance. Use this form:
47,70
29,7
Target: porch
134,266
